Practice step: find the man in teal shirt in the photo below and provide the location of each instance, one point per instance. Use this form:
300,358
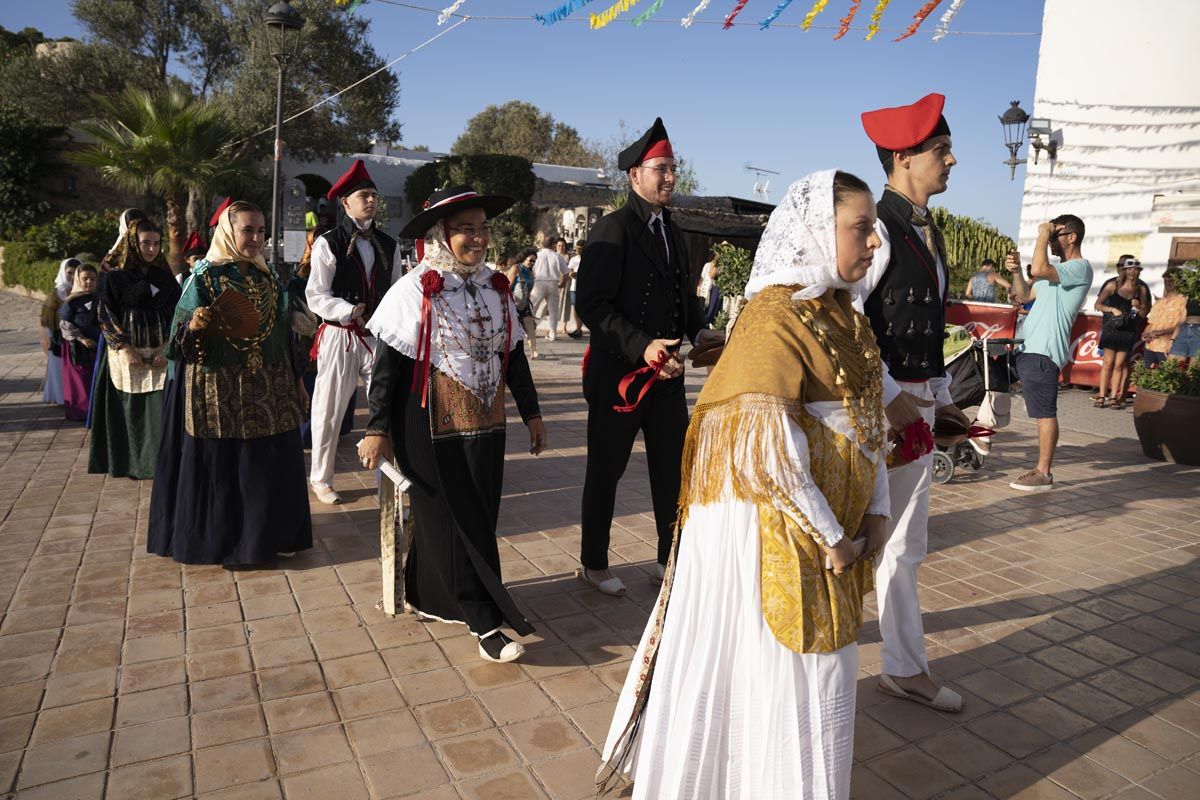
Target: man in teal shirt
1058,293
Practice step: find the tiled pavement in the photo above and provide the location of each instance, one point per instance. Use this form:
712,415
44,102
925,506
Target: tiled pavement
1071,621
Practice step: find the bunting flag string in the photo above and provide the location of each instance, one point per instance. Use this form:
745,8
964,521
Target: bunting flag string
732,15
690,18
562,12
598,21
918,18
647,14
876,15
817,8
943,26
774,15
351,5
846,20
447,12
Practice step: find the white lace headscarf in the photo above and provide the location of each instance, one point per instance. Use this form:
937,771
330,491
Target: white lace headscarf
439,255
63,282
799,245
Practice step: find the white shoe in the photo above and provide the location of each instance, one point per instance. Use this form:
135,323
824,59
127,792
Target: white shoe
509,651
550,336
603,580
326,494
659,574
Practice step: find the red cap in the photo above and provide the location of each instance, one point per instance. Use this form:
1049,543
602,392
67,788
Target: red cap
351,181
660,149
194,242
216,217
903,127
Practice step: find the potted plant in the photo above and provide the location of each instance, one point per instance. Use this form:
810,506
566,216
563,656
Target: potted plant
1166,410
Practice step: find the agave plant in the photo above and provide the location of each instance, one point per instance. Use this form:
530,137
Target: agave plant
168,143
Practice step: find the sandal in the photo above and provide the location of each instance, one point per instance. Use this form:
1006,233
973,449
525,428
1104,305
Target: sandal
946,699
1100,401
1118,403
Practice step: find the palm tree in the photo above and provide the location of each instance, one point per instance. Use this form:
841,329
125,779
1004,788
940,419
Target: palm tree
168,143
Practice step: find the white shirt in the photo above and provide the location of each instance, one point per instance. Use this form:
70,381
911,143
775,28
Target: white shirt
550,266
883,256
573,268
319,291
662,222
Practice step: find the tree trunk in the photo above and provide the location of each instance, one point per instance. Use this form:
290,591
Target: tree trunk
176,230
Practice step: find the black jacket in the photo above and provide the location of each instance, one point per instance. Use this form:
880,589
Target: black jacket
627,294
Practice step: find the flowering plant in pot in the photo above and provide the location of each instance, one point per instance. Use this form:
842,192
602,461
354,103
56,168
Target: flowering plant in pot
1166,411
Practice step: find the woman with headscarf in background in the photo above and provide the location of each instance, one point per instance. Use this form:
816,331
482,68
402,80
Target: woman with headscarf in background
229,484
51,338
449,344
128,216
80,327
743,685
136,302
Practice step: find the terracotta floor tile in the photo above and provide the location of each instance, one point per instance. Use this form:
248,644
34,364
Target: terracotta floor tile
1157,735
395,730
235,690
1129,760
442,720
1082,776
1172,782
343,781
281,652
150,706
152,675
414,658
273,605
964,752
216,637
1052,718
218,663
341,643
262,587
994,687
571,777
509,786
1010,734
909,720
75,720
544,737
430,687
64,759
22,698
230,764
289,681
300,711
515,703
395,773
315,747
329,619
27,668
476,753
155,780
87,787
153,647
15,732
264,630
915,773
575,689
352,670
366,699
77,687
226,725
261,790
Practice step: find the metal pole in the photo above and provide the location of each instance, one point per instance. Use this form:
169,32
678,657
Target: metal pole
278,164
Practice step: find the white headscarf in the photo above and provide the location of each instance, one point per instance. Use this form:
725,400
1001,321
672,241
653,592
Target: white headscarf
63,283
799,245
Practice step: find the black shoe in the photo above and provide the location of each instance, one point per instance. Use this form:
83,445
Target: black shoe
499,648
575,334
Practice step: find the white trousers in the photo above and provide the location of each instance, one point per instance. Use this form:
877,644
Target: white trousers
896,576
545,292
342,359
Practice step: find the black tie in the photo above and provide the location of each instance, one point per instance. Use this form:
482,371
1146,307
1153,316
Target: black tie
656,224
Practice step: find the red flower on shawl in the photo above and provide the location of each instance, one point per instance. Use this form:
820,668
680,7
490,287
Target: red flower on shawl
500,282
432,282
916,441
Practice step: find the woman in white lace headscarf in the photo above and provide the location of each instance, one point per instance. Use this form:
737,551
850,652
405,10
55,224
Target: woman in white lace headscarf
743,685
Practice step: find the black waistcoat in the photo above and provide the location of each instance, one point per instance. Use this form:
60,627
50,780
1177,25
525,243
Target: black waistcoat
906,309
350,281
662,311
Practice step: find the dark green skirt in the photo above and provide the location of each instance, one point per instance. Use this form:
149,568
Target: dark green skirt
126,428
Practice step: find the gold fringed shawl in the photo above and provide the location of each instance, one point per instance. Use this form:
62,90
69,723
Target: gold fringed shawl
736,449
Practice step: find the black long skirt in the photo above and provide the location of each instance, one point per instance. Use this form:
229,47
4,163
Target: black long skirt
453,568
226,501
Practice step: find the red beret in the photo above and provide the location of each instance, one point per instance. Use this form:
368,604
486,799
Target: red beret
215,220
903,127
194,242
351,181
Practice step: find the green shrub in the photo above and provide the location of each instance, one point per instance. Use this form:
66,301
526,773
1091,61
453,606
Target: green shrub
72,233
1187,282
1170,377
734,264
23,267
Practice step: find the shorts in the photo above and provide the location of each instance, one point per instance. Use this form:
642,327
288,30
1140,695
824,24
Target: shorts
1039,385
1187,341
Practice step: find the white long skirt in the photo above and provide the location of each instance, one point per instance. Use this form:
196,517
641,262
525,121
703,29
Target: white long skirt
732,714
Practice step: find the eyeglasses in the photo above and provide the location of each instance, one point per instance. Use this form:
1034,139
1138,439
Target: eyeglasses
662,169
471,232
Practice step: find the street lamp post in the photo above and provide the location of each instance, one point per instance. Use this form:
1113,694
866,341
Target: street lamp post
1014,120
282,23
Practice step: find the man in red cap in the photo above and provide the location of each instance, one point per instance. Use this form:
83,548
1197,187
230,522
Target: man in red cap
905,299
352,267
636,291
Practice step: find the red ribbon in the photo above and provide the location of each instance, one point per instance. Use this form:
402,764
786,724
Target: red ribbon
979,432
424,348
653,369
353,329
916,441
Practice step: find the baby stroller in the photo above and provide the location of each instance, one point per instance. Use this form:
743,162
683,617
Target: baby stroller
981,374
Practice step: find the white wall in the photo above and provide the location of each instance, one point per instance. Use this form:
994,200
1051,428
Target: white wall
1119,82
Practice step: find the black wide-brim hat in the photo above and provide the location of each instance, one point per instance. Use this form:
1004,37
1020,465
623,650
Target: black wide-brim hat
451,200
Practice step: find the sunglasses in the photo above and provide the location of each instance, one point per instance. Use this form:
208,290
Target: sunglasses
1135,264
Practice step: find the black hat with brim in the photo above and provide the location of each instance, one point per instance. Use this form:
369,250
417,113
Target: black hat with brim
451,200
632,155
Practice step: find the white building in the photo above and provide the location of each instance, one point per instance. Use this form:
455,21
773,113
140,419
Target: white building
1118,82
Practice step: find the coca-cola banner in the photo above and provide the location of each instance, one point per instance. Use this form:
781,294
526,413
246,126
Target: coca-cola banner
999,320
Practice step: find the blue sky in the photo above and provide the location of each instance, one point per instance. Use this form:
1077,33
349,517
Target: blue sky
783,99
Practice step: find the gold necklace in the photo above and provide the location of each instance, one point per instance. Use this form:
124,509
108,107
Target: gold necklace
857,368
